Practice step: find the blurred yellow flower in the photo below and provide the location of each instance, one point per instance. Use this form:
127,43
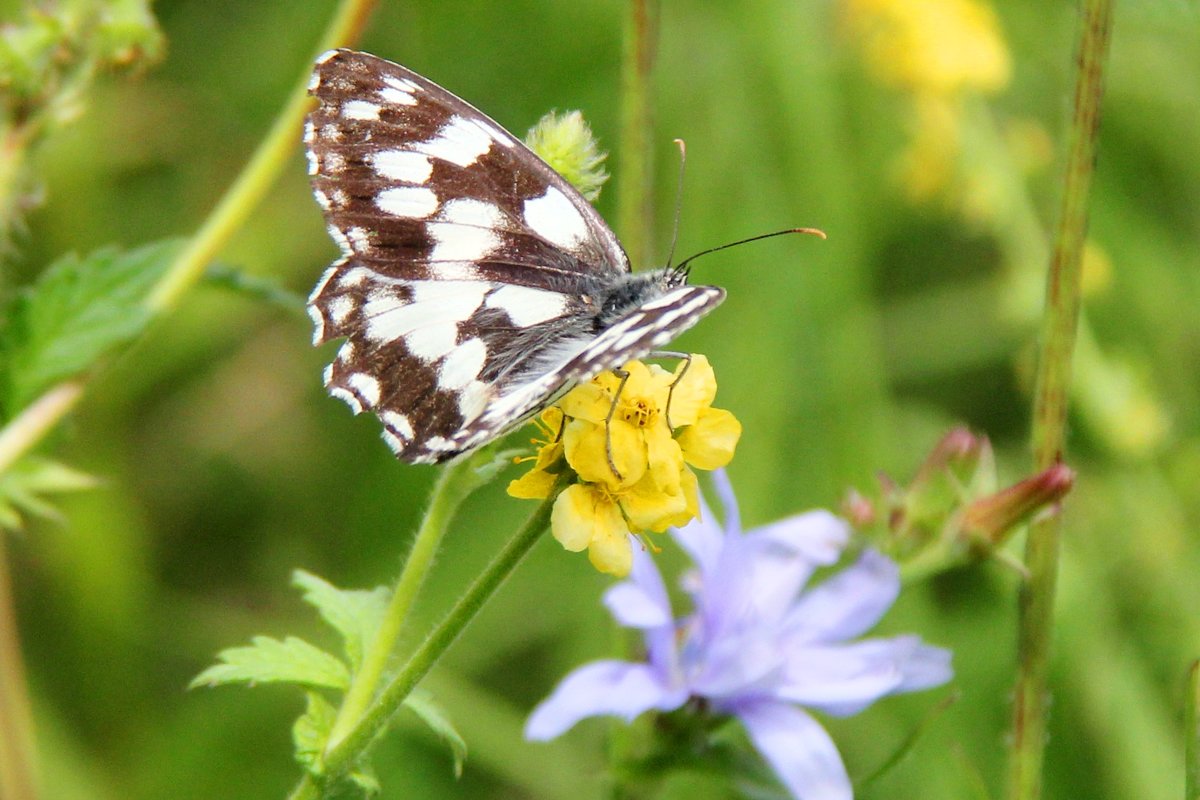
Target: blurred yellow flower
941,52
943,46
649,430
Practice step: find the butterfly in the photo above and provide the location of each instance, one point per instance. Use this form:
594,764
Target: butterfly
476,285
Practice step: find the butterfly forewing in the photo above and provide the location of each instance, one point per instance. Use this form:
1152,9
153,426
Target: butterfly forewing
467,291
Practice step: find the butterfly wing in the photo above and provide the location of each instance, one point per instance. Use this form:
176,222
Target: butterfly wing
466,257
468,288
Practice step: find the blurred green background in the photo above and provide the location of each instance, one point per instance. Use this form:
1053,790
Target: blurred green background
224,465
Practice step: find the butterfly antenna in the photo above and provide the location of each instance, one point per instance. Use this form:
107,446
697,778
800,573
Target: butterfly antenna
683,265
678,201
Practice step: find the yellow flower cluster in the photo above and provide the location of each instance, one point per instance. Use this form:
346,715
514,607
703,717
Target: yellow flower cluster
658,424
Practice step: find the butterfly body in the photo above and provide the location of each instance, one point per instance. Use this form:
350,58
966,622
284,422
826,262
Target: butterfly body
476,285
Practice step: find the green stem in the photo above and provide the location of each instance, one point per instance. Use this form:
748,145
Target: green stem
344,754
635,196
456,481
259,174
635,221
1059,329
18,771
1191,730
230,214
36,420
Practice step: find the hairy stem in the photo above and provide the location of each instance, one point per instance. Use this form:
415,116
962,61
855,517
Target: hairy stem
342,756
1058,336
635,195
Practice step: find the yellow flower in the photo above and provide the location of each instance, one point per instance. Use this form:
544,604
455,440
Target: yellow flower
649,430
942,46
942,53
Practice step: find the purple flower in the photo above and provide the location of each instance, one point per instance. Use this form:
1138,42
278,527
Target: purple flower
759,645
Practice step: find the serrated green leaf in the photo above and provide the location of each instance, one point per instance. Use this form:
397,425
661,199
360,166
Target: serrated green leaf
354,613
78,310
423,705
269,660
311,731
24,486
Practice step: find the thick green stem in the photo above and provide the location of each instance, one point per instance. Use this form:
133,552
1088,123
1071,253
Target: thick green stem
456,481
1058,337
343,755
635,196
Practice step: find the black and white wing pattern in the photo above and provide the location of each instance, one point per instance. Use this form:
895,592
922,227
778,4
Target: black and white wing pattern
476,285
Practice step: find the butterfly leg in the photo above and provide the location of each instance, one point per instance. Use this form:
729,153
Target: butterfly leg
612,410
562,428
686,358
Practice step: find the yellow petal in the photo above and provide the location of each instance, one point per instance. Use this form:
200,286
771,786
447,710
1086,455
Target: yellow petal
536,484
664,456
650,507
533,485
710,442
694,392
611,553
691,490
551,421
586,446
580,513
589,401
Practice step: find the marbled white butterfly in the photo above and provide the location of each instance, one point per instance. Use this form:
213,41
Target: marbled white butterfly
476,285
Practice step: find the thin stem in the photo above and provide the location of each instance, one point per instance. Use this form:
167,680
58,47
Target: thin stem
635,198
229,215
1059,329
1191,730
635,222
456,481
343,755
35,421
18,769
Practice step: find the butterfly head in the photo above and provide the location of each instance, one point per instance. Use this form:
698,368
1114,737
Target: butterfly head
616,299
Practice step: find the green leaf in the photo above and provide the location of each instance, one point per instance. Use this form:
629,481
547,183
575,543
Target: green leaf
310,735
311,732
423,705
78,310
22,489
365,779
258,287
355,613
269,660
